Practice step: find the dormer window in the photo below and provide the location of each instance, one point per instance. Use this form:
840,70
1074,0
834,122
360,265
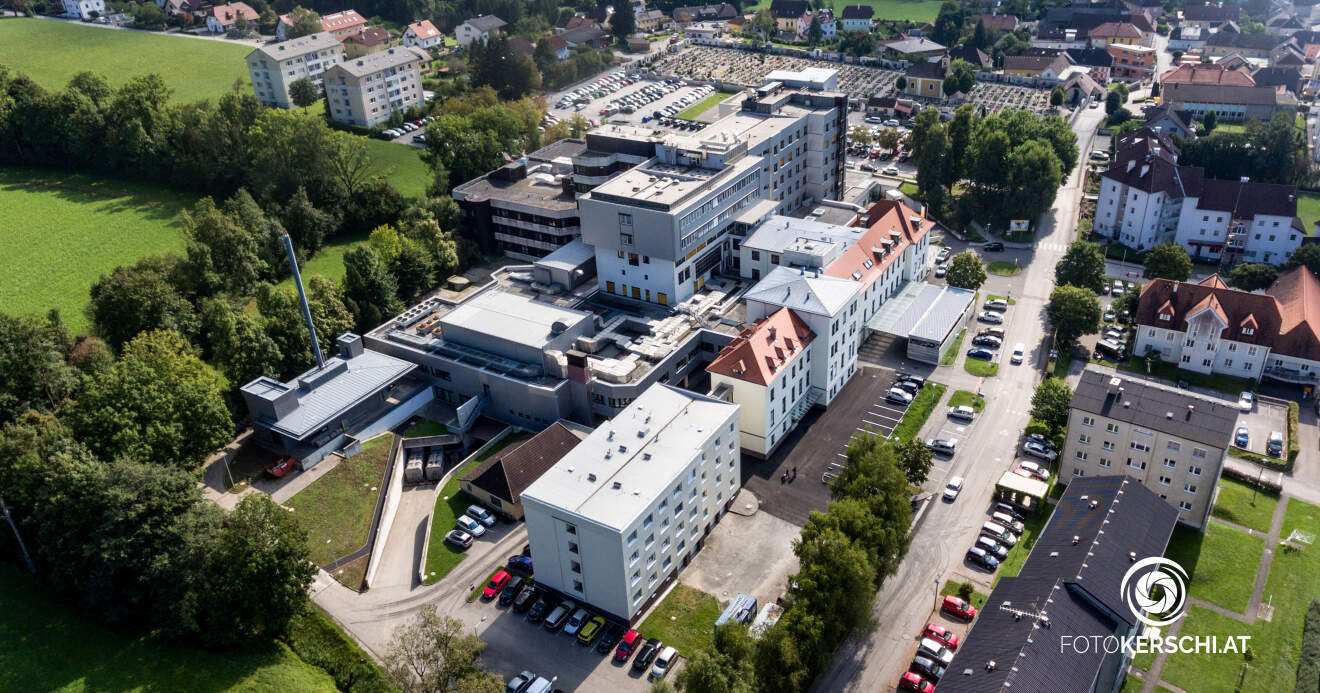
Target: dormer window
1165,317
1248,330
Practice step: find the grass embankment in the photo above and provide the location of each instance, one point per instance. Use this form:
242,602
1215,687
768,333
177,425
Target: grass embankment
48,645
696,109
1168,371
1308,210
53,52
336,509
1003,268
917,413
449,504
64,230
951,354
1239,503
685,620
966,398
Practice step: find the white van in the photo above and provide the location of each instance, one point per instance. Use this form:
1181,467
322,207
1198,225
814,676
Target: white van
1019,352
962,412
1007,521
999,533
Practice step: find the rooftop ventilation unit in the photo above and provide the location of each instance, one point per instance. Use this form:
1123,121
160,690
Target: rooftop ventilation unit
617,485
591,477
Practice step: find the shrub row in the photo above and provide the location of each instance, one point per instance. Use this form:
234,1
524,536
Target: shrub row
1308,665
1294,443
317,641
1267,485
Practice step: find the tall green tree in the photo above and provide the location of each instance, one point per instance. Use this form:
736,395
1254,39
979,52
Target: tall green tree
304,93
874,475
281,314
835,581
623,23
370,290
1073,311
140,297
1168,261
1081,265
1307,255
304,22
1056,96
1251,276
1050,404
35,373
433,654
916,460
1210,122
224,252
966,271
159,403
306,225
238,342
814,31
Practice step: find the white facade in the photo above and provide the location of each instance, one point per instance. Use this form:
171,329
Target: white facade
1135,218
612,525
84,9
1205,234
423,35
1200,349
477,29
274,67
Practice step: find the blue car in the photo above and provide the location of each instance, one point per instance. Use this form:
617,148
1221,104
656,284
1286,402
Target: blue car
523,563
983,354
1241,437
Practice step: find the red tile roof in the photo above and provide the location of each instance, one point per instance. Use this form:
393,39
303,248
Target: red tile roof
761,351
1298,293
886,217
228,14
342,20
1207,74
424,29
1116,30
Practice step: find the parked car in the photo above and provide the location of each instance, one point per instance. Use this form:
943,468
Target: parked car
952,488
558,615
992,331
868,167
481,515
1013,525
646,655
935,650
520,683
1033,471
907,385
891,170
1041,440
523,563
947,446
1246,401
986,340
928,667
999,533
978,556
1038,450
1008,509
912,681
1242,437
525,599
941,270
1109,316
992,547
512,590
470,525
990,317
993,247
941,634
590,630
626,646
943,255
962,411
998,304
663,662
958,607
458,538
1118,287
898,395
979,353
576,621
609,638
281,468
1274,444
909,378
497,583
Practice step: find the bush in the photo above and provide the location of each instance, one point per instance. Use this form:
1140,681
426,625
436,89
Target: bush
1294,444
1308,664
1253,479
319,642
965,591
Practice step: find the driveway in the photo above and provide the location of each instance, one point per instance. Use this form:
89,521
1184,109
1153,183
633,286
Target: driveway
748,554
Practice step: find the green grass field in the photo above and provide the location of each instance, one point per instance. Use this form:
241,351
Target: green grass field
1221,564
1003,268
966,398
951,354
704,105
1237,503
63,231
917,412
1017,556
195,69
685,620
402,166
911,10
47,645
425,428
952,587
979,368
1308,210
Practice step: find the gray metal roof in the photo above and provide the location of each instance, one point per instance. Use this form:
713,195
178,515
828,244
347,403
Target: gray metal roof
889,319
924,311
375,62
1155,406
324,394
511,317
299,46
944,314
804,291
569,256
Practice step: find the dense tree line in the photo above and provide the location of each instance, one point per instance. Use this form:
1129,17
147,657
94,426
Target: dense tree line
474,134
1272,152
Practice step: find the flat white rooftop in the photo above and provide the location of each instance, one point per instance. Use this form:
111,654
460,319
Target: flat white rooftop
512,317
626,463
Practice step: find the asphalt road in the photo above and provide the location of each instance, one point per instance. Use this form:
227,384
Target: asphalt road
908,600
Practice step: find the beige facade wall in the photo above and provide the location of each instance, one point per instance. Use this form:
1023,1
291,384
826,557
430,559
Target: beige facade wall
271,78
372,98
499,505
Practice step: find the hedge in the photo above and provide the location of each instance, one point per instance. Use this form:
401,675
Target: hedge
319,642
1294,443
1308,664
1267,485
1278,465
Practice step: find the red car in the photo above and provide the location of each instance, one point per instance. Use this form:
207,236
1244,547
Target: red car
279,469
941,634
912,681
497,583
959,607
626,646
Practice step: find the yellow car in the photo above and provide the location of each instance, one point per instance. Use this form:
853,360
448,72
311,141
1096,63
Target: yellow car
591,630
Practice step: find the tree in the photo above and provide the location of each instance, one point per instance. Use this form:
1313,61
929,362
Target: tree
873,476
306,225
857,43
966,271
159,403
238,343
623,22
900,84
1050,404
1073,311
930,146
1168,261
225,246
1251,276
304,22
1035,179
35,373
1056,96
764,22
1081,265
726,667
433,655
1307,255
1210,122
980,39
304,92
370,291
1113,102
835,581
140,297
948,23
281,314
916,460
814,32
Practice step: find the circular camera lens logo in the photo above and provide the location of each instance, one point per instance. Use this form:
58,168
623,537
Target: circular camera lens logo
1155,590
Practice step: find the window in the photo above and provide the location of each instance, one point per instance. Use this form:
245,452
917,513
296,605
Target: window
1088,421
1194,470
1190,488
1139,447
575,566
632,539
1080,455
571,529
1136,464
1084,439
1184,505
572,547
577,585
1104,462
1170,464
646,524
1175,446
1108,445
1077,471
1198,453
636,578
1165,481
1111,427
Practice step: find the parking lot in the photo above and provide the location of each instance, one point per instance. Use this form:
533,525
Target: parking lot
1265,417
648,97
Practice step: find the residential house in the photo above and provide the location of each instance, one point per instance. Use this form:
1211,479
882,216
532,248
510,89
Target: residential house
1168,121
222,18
926,79
978,58
788,14
1240,221
612,525
705,30
559,46
340,24
498,482
368,40
1288,54
592,36
370,89
650,21
1132,63
829,26
1210,16
1121,33
997,24
423,35
912,45
1081,88
1224,42
1208,73
889,107
1042,66
275,66
84,9
721,12
1187,38
1289,78
1232,103
1142,191
1207,327
479,28
857,18
1285,24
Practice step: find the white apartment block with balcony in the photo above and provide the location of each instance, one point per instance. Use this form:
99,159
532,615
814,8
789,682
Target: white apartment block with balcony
273,67
1172,441
368,90
612,525
766,371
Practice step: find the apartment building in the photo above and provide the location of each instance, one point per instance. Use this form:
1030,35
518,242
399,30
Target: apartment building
1132,62
1170,440
1210,328
766,371
273,67
612,525
370,89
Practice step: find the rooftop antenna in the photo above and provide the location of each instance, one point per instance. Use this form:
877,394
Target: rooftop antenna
302,298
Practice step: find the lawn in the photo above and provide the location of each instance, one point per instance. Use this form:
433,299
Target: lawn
993,297
1308,210
696,109
424,428
1003,268
1237,502
1017,556
449,504
1221,564
1168,371
48,645
952,587
983,369
63,231
917,412
909,189
913,10
336,509
402,165
951,354
195,69
685,620
964,398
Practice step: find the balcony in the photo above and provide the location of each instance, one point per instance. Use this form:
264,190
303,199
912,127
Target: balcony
1291,375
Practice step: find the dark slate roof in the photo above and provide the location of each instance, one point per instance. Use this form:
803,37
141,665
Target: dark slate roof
1091,57
1247,41
487,22
1246,200
789,9
1211,13
1147,160
858,12
1180,119
925,70
1074,586
971,54
507,475
1159,407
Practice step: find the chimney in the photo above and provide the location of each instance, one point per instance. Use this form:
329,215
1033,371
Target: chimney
1175,287
302,297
